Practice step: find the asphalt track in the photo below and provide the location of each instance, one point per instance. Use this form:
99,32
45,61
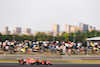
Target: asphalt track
53,65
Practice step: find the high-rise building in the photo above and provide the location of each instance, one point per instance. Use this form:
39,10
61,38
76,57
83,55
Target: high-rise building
76,29
17,30
94,27
90,27
6,31
27,31
86,27
67,28
55,29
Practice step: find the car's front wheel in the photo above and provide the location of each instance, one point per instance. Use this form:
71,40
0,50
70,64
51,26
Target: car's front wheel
21,62
42,62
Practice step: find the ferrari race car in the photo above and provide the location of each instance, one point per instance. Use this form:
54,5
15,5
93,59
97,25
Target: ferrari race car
33,61
44,62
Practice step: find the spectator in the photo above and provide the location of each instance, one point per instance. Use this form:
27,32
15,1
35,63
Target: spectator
92,45
37,48
57,50
73,47
8,44
69,50
50,47
45,46
99,45
22,49
53,48
0,45
15,49
60,47
42,48
96,46
85,47
30,44
64,49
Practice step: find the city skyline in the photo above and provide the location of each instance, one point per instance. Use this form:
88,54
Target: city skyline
45,30
55,29
40,15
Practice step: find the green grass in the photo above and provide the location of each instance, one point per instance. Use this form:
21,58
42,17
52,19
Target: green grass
8,60
62,61
75,61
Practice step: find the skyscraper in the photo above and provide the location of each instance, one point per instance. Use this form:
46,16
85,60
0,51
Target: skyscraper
27,31
6,31
67,28
76,29
55,29
17,30
90,27
94,27
86,27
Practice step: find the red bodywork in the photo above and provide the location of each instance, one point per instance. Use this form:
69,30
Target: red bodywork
44,62
27,61
34,61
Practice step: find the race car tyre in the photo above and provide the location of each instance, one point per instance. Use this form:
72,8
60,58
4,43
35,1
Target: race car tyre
21,62
35,63
28,63
50,63
42,62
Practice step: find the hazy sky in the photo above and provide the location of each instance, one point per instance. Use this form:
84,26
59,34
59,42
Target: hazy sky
39,15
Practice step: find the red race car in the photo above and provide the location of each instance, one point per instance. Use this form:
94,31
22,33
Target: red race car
44,62
34,61
27,61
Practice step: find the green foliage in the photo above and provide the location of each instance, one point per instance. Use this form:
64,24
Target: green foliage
65,36
79,36
41,36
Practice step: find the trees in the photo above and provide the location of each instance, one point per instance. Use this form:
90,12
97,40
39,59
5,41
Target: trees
66,36
41,36
0,37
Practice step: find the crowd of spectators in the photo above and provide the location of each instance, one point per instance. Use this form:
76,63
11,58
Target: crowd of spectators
61,47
